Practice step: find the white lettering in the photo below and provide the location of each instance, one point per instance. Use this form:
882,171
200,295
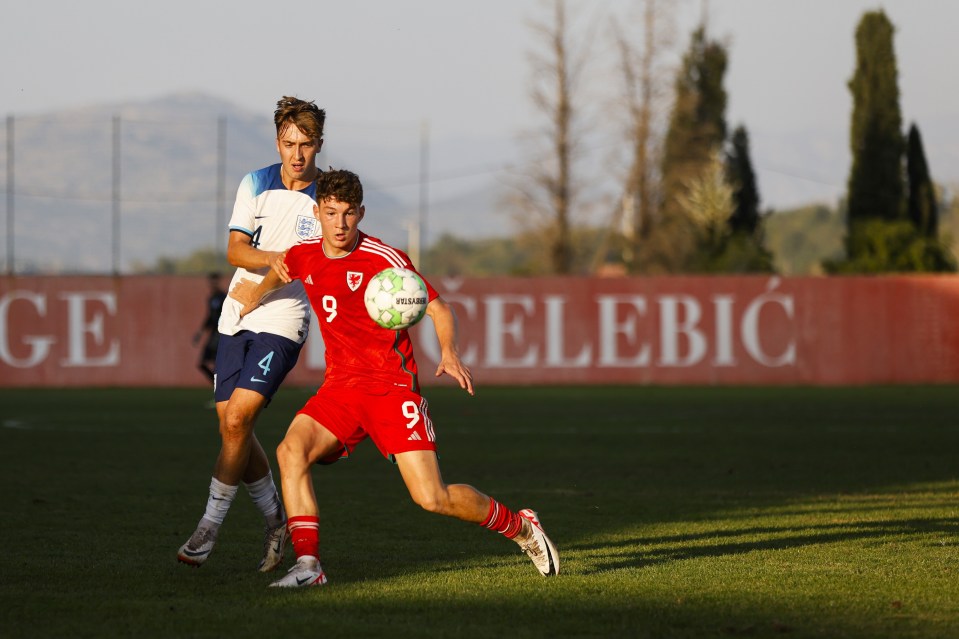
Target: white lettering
39,344
723,305
497,327
555,336
624,337
670,330
610,330
749,328
78,329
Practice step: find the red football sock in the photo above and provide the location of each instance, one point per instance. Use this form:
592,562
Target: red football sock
305,534
502,520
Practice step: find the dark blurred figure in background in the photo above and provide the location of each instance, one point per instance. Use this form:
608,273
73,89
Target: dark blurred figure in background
213,305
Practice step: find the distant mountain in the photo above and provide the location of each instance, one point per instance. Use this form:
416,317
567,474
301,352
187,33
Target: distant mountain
172,200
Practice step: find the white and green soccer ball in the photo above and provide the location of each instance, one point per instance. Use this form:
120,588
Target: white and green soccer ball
396,298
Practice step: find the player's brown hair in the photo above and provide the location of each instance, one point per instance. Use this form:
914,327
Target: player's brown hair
307,117
341,185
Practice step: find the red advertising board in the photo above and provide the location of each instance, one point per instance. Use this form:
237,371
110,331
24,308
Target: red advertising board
136,331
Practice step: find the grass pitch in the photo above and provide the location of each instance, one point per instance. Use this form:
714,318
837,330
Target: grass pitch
678,512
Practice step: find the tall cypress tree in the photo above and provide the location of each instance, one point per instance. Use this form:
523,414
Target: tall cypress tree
739,173
697,126
875,180
922,207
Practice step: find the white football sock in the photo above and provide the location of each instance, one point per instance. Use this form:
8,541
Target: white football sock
219,502
264,495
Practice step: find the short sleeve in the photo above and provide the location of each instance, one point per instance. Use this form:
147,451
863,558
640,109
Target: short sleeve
244,209
431,292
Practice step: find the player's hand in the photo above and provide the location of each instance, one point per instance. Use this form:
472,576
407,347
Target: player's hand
453,366
244,293
278,264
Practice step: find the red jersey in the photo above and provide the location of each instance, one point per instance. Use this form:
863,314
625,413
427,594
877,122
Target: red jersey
358,351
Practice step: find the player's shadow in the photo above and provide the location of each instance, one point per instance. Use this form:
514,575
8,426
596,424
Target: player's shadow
722,543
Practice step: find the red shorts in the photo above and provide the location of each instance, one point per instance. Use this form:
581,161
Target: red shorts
398,421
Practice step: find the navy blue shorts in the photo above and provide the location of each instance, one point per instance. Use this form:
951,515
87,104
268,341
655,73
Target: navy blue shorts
255,361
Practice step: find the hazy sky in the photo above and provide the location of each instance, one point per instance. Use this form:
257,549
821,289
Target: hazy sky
383,67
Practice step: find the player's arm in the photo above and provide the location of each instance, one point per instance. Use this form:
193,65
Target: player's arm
240,252
444,321
251,294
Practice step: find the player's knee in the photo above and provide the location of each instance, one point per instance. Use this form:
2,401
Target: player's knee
433,501
289,456
236,426
282,453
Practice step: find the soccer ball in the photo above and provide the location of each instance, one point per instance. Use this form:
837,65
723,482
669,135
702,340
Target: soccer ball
396,298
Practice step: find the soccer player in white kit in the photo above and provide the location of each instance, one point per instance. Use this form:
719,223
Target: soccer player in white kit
273,211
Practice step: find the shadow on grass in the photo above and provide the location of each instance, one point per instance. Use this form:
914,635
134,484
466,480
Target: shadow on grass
669,548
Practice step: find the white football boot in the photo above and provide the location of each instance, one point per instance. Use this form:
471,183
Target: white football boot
538,546
305,572
273,544
198,547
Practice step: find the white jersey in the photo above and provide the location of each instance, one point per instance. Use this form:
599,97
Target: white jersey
275,218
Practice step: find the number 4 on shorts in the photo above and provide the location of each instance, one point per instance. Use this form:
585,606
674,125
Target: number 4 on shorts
265,364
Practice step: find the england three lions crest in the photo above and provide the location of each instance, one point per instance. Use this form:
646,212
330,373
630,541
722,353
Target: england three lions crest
354,279
306,227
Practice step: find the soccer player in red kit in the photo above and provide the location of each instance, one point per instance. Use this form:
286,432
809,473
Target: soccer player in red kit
371,387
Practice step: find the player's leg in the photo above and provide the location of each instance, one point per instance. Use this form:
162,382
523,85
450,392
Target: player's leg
268,360
241,458
401,426
305,443
209,355
421,474
252,367
207,360
259,483
196,550
206,368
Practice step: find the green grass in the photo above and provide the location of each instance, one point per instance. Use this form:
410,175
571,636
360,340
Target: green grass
678,512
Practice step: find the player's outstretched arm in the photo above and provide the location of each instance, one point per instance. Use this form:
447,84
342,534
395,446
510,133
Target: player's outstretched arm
251,294
243,254
444,321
